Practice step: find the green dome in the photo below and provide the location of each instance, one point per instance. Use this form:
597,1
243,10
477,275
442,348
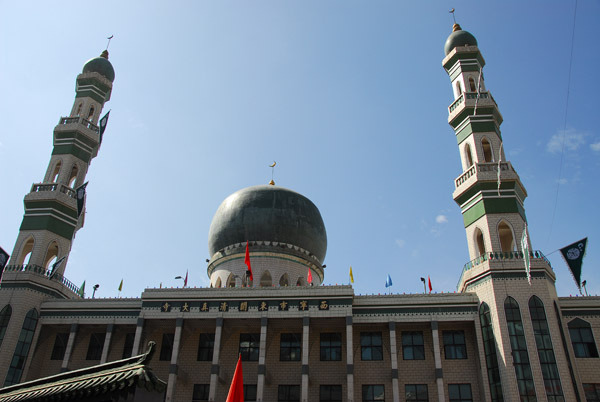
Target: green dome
459,38
100,65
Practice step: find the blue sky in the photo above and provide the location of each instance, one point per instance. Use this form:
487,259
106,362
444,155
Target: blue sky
350,99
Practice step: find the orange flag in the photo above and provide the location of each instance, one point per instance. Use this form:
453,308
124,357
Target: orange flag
247,261
236,390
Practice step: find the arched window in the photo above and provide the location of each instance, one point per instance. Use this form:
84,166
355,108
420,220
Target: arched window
17,363
507,240
284,281
458,89
79,109
582,338
487,150
519,350
468,155
73,176
472,86
491,356
479,242
51,255
218,283
55,173
4,320
300,282
231,281
26,252
545,349
91,113
266,280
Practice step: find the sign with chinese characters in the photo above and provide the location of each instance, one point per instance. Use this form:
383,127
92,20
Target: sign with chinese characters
284,306
243,306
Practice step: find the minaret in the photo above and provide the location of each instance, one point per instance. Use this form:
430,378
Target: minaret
516,311
51,220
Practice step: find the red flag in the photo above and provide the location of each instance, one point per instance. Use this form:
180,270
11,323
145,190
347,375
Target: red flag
236,390
247,260
185,280
429,280
309,276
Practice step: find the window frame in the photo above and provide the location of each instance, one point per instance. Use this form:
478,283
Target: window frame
453,350
328,350
250,352
206,347
326,391
582,349
409,345
166,346
60,346
418,393
370,392
287,391
460,388
368,346
95,346
199,391
290,349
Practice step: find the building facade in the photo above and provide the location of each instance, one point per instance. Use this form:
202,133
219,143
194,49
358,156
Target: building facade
504,336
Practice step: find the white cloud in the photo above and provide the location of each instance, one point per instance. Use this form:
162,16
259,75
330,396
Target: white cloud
441,219
562,181
572,141
400,243
595,147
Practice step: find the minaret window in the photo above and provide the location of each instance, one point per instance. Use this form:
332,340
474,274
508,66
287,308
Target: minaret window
507,240
458,89
479,242
4,320
582,338
472,86
284,281
300,282
54,177
73,176
218,283
487,150
51,255
266,280
468,155
91,113
231,281
26,252
17,363
79,109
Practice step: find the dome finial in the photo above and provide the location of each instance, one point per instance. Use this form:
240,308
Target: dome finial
272,166
456,27
271,183
104,54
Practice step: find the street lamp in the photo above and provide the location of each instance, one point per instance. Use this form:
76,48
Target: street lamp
95,287
180,277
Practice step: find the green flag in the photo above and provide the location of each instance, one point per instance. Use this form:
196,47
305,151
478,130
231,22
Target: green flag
81,292
573,255
121,285
526,256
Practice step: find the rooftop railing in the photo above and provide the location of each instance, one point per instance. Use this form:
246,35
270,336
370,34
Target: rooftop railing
500,256
81,120
42,187
43,272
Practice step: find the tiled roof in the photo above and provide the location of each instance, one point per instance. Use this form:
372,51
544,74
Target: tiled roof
109,378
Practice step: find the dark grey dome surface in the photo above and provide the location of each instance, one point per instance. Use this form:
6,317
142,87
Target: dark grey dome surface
268,213
100,65
459,38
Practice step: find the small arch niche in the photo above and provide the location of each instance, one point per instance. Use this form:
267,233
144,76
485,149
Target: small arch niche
73,176
487,150
91,113
479,243
79,109
26,252
284,280
231,281
472,86
218,283
300,282
458,89
51,255
468,155
55,172
507,241
266,280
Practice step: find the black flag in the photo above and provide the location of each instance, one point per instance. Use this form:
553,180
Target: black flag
103,122
80,197
55,266
573,255
3,260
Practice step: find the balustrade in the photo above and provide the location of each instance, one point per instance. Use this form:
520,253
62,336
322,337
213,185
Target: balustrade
78,119
43,187
42,272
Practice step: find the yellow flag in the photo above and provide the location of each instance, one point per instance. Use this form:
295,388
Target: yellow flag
121,285
351,276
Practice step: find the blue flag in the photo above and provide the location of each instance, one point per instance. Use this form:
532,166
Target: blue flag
388,281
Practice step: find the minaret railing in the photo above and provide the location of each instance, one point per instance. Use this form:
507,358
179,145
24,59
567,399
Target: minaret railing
482,167
44,273
50,187
500,256
79,120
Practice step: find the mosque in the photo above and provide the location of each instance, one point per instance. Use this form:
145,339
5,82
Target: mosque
504,336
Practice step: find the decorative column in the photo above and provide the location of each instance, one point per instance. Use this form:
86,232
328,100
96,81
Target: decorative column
109,331
349,360
138,336
174,356
305,334
260,386
69,349
394,360
214,370
439,378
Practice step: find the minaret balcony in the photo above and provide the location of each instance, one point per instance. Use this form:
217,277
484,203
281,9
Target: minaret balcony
80,125
466,102
507,264
52,191
41,276
485,172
